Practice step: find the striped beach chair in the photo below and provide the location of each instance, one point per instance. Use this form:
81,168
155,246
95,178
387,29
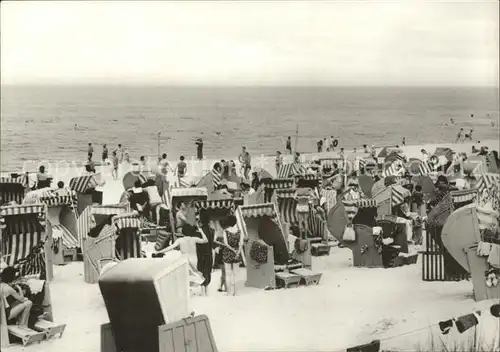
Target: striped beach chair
13,188
23,238
270,185
62,226
128,239
97,236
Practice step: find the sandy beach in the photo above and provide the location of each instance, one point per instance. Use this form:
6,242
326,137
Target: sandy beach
350,306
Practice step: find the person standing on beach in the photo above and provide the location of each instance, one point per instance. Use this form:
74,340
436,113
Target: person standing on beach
333,144
115,162
245,161
180,170
164,166
403,141
469,135
460,135
288,145
278,162
199,148
320,145
232,247
90,151
328,144
119,153
104,153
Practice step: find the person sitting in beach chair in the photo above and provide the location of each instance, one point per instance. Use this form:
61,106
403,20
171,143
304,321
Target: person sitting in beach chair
139,199
43,179
17,306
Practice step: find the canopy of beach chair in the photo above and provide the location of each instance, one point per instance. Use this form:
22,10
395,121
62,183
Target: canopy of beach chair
23,236
132,176
263,220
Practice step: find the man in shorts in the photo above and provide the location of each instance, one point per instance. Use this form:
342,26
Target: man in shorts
180,170
245,161
90,151
288,145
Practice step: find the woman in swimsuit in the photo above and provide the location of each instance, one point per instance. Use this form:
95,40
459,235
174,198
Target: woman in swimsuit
16,305
232,248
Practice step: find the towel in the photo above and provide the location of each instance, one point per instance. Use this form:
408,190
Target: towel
377,231
465,322
291,243
56,234
494,256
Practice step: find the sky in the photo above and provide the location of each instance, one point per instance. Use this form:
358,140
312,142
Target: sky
406,42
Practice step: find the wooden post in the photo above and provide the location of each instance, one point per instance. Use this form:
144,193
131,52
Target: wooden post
296,138
159,145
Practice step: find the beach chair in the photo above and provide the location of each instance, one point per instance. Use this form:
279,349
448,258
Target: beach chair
14,187
269,264
86,193
23,243
62,226
437,263
316,233
97,237
466,229
161,318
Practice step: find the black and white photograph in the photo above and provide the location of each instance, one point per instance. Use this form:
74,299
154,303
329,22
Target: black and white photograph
250,176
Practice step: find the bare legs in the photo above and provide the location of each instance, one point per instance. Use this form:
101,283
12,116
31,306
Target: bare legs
21,310
230,278
223,285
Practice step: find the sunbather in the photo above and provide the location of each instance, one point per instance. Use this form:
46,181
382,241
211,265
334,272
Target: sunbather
16,305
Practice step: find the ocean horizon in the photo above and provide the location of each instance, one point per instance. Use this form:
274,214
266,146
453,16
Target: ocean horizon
56,122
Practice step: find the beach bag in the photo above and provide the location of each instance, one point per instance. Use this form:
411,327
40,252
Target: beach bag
258,252
300,245
349,234
154,196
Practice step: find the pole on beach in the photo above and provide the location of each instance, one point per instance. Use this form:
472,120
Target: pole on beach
296,137
159,145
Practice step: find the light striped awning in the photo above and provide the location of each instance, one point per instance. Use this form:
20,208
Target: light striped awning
215,204
309,177
279,183
258,210
286,193
33,197
22,179
469,195
487,181
127,220
216,178
329,196
189,192
288,209
398,194
291,170
69,240
82,184
108,209
366,203
397,168
351,208
57,201
22,209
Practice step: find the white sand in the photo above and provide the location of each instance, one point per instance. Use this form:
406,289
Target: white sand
350,306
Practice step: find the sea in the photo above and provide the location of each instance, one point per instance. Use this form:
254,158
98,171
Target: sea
56,122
